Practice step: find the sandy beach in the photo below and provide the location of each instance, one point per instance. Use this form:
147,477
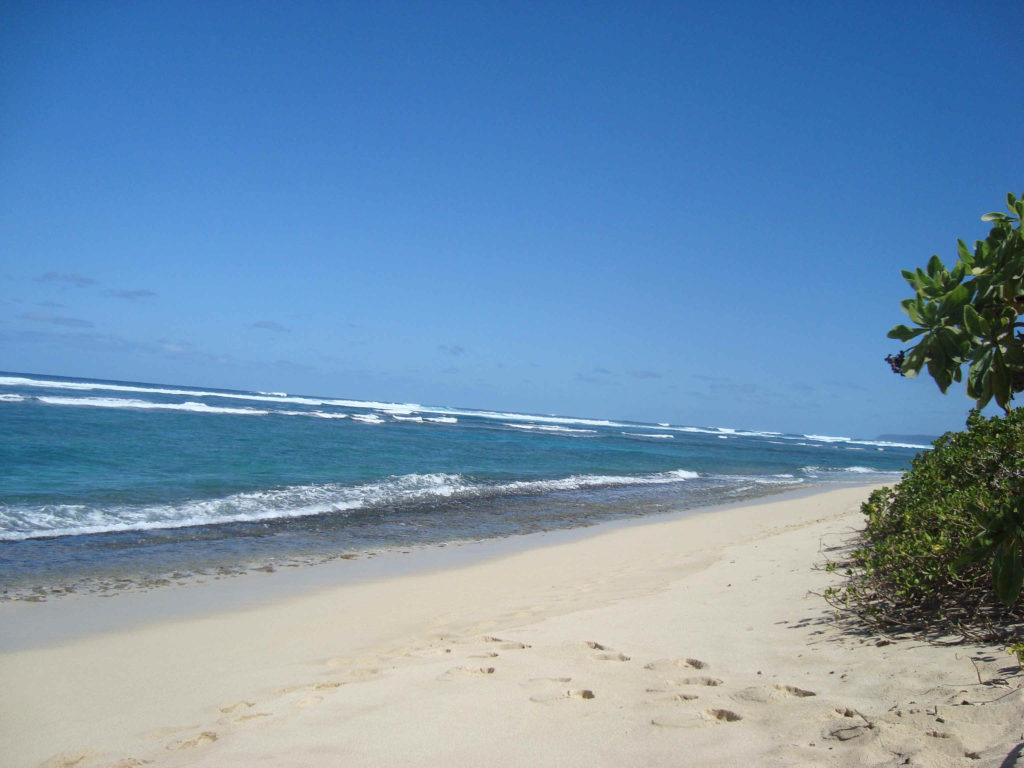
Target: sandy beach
696,640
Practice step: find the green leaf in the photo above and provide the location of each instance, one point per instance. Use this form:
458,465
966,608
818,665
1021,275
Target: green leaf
1007,573
954,299
935,266
913,362
904,333
973,322
963,252
977,550
1000,381
996,217
914,309
978,377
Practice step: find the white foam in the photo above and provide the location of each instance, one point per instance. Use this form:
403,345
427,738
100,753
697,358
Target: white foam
882,444
852,441
441,414
11,398
510,416
278,397
116,402
648,434
553,428
857,470
289,502
367,418
578,482
418,419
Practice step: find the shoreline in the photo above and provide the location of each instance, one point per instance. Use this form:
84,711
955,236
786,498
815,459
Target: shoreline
697,635
59,618
118,562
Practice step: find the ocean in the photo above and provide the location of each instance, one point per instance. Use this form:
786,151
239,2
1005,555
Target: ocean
110,485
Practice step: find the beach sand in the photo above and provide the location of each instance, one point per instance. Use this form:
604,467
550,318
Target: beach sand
695,640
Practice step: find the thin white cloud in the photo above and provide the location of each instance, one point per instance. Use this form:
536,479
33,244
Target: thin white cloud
129,294
45,317
74,279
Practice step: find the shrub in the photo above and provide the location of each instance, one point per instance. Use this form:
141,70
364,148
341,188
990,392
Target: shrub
937,543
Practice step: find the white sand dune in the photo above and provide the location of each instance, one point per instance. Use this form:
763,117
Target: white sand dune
690,641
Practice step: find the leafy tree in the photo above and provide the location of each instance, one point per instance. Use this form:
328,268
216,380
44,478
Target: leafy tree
970,315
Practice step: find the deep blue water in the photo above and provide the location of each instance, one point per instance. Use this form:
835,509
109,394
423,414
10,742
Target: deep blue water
102,480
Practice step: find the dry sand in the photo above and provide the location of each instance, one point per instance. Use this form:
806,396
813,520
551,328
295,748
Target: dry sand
690,641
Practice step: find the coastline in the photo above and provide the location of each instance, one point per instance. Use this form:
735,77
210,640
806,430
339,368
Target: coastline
60,618
687,634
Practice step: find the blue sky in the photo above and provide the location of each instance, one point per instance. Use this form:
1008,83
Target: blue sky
681,212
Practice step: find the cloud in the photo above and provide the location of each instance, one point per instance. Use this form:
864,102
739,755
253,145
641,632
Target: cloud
130,294
270,325
645,374
73,279
451,349
45,317
597,375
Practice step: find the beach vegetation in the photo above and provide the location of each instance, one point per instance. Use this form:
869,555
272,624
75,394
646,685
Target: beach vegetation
969,315
943,550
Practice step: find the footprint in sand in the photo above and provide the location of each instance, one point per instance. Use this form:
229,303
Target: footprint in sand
762,694
249,718
419,653
457,672
238,706
67,759
671,665
548,690
506,645
329,685
672,698
723,715
129,762
612,657
679,720
708,681
550,698
204,738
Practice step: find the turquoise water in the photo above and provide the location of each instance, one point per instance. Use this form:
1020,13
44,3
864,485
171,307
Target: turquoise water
103,480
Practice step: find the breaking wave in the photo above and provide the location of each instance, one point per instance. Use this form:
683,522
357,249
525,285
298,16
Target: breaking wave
18,523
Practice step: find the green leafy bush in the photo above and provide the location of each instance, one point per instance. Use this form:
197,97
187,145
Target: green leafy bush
970,315
941,546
